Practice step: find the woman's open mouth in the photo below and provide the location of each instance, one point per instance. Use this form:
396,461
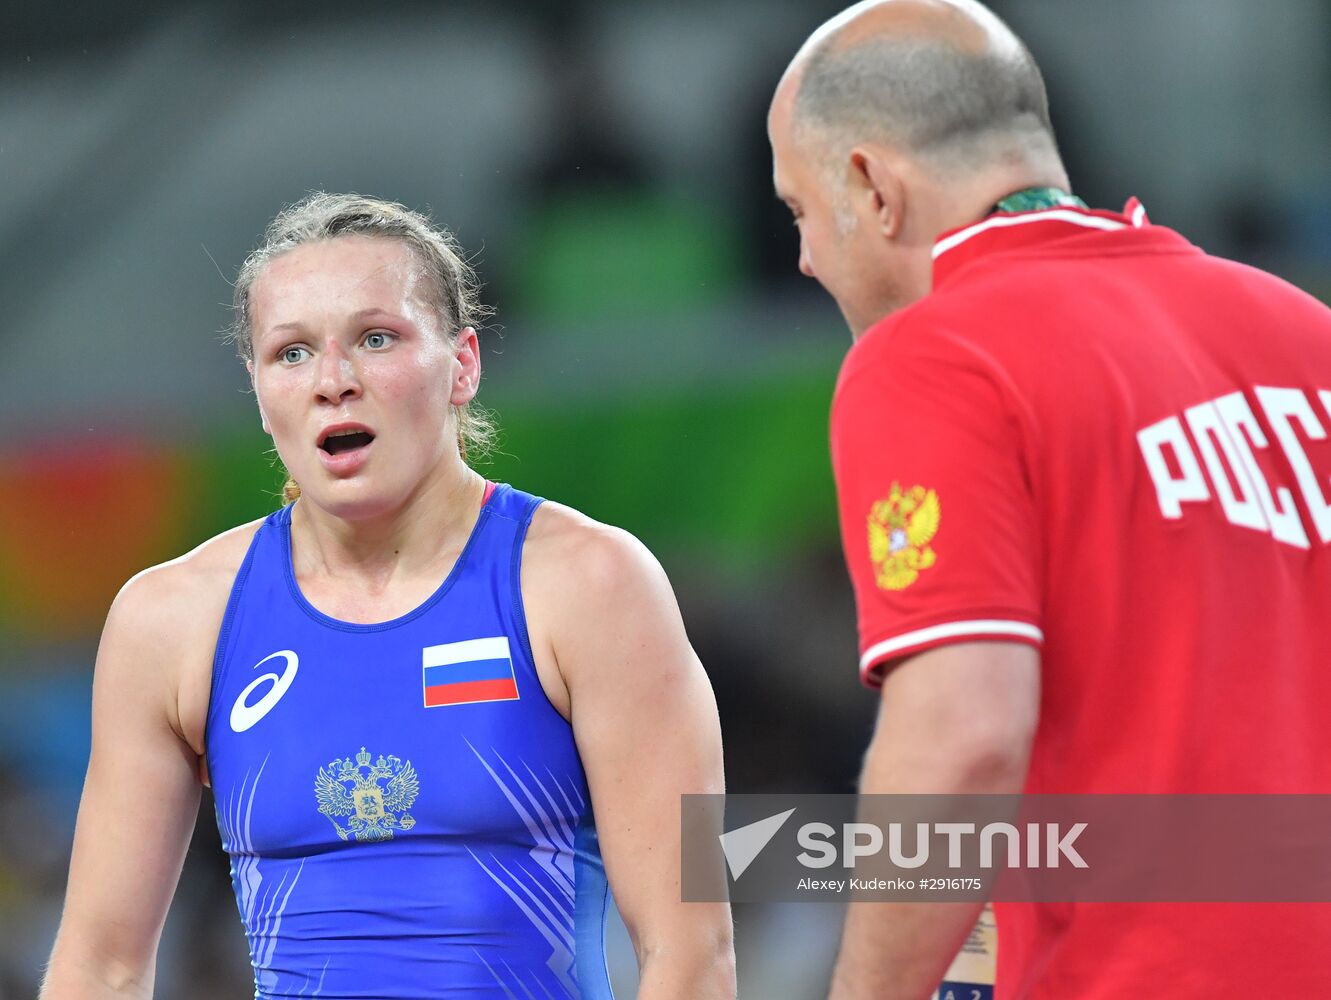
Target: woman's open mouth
344,448
343,441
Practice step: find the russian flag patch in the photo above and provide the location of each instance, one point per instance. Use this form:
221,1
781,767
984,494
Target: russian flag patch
463,673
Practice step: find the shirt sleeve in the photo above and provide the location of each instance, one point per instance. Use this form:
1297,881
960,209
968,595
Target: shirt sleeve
938,520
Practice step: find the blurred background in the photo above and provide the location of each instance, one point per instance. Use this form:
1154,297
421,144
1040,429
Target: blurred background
656,361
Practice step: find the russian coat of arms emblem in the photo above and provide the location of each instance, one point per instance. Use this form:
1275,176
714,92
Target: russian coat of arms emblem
900,530
367,799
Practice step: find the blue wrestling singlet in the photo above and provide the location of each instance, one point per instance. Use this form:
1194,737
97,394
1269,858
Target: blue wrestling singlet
406,813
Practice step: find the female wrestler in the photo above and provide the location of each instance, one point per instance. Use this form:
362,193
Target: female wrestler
436,713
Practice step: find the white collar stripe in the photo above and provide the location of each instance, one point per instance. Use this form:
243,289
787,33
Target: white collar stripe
1003,221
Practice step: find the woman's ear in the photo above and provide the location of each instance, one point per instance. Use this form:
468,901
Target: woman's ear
467,379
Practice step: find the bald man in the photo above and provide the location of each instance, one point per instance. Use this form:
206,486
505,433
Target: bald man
1083,472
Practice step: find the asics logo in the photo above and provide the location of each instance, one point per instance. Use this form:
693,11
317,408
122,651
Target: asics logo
243,716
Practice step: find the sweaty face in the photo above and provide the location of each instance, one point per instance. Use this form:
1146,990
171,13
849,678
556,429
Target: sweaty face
840,241
355,379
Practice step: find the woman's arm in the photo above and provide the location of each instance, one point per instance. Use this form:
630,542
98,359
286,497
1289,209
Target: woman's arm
645,721
140,798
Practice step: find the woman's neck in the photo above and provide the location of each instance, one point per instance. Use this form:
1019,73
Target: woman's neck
431,524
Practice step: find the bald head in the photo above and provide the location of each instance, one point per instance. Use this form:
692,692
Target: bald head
944,81
897,121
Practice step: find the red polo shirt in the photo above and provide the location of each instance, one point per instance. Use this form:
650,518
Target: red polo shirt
1094,438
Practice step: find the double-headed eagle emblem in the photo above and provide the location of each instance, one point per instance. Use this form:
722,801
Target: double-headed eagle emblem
900,530
374,796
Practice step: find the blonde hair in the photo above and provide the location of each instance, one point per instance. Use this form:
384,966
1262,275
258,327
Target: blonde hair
453,286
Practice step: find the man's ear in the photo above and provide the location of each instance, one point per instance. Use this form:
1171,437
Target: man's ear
263,417
878,180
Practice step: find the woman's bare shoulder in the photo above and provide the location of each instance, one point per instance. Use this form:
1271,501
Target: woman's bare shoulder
175,597
575,556
558,531
156,652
